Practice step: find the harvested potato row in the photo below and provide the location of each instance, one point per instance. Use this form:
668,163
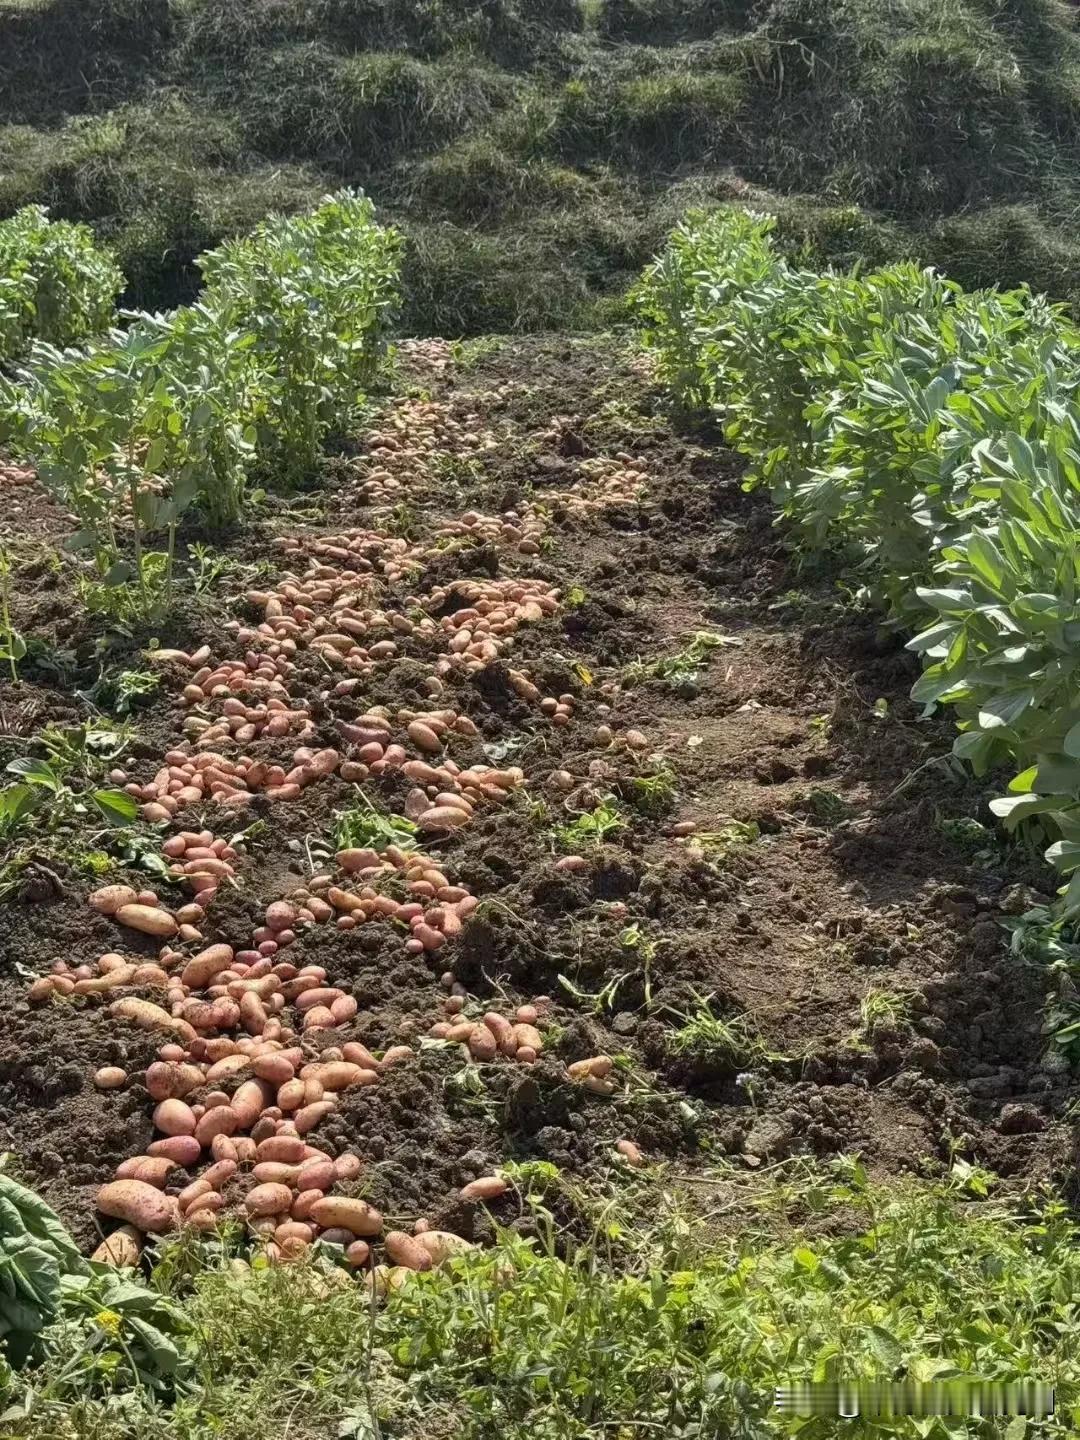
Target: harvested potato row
493,1035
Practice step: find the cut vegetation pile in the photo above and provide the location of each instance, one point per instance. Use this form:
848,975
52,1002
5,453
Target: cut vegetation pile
536,151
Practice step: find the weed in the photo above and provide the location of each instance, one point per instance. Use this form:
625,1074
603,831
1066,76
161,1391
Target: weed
717,845
882,1009
363,827
595,827
729,1043
826,807
684,667
12,644
123,691
654,794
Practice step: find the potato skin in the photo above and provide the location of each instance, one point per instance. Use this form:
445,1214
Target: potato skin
403,1249
120,1249
139,1204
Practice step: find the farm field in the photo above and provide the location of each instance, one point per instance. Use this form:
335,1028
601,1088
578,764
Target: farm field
815,971
539,732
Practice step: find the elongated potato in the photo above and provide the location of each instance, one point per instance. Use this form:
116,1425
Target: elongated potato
151,1169
489,1187
139,1204
120,1249
200,971
338,1211
289,1149
405,1250
442,1244
148,919
180,1149
150,1017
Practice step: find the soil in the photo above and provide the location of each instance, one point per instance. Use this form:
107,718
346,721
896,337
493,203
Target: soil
725,970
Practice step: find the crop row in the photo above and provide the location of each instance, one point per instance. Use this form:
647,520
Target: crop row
932,436
181,409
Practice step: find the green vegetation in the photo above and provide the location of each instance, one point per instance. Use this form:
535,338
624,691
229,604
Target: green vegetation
694,1331
931,435
55,284
535,153
177,409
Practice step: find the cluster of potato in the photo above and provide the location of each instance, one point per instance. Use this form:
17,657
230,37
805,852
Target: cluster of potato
257,672
520,530
434,912
209,777
15,475
493,1034
337,564
482,627
401,450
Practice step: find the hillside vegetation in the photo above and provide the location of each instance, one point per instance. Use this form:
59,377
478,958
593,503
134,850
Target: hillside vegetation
536,153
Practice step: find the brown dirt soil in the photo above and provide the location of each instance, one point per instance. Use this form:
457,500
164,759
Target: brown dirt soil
825,867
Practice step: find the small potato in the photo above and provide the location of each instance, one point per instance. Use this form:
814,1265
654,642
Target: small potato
347,1167
357,1254
219,1174
150,1017
406,1250
139,1204
110,1077
310,1116
489,1187
630,1153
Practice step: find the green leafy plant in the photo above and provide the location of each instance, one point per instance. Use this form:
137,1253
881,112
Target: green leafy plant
363,827
685,665
595,827
730,1042
883,1009
55,284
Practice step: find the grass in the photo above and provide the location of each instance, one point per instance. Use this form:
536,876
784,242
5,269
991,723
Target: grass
808,1273
535,154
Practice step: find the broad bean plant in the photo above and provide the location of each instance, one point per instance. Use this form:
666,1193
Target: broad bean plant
932,435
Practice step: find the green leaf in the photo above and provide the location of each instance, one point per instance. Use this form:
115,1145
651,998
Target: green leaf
116,806
36,772
1005,710
1071,743
885,1347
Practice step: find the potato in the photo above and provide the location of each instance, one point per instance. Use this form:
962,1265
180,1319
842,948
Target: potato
180,1149
404,1249
200,971
347,1167
150,1017
110,1077
357,1254
151,1169
528,1035
110,898
316,1175
630,1153
354,1215
337,1075
167,1080
191,1193
309,1116
275,1172
482,1044
442,817
221,1120
269,1199
139,1204
219,1174
148,919
489,1187
289,1149
275,1068
248,1102
121,1248
442,1244
173,1117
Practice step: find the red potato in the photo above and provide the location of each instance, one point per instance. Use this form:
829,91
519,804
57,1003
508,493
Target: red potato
354,1215
228,1065
357,1254
248,1102
168,1080
395,1055
347,1167
289,1149
275,1172
442,1245
528,1035
200,971
139,1205
150,1169
316,1175
192,1192
147,919
210,1201
301,1206
121,1249
150,1017
405,1250
630,1153
490,1187
269,1199
307,1118
276,1068
336,1075
219,1121
111,898
219,1174
180,1149
337,1235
